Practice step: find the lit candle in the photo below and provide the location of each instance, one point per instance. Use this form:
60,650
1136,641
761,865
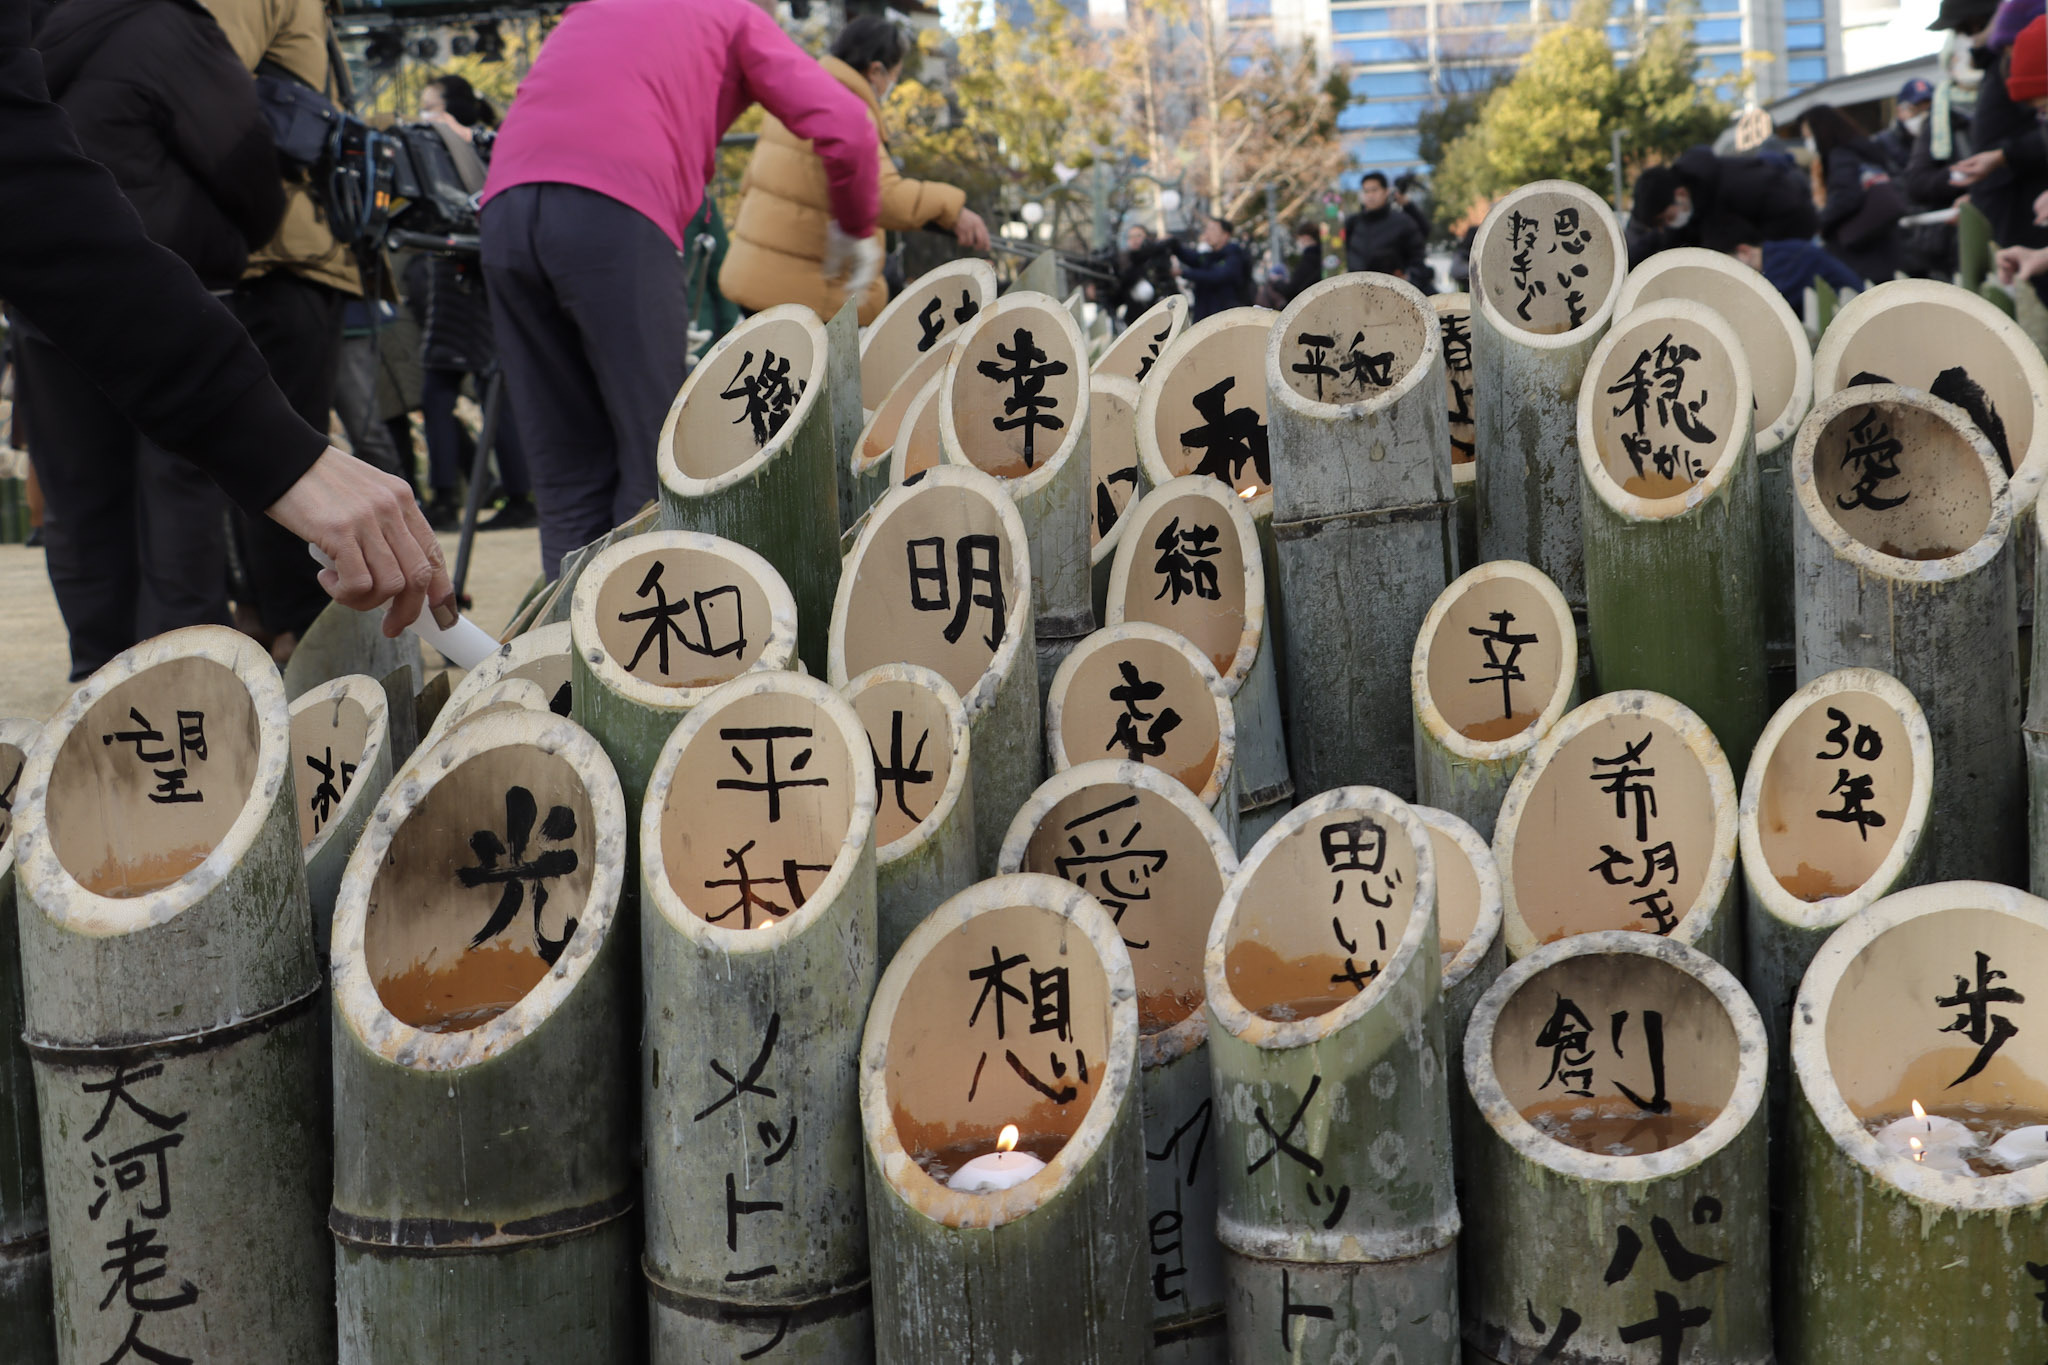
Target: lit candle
1929,1140
2022,1147
998,1170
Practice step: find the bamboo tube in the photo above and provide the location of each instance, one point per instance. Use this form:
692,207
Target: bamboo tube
26,1313
484,1176
506,694
1193,565
1832,813
562,595
917,445
1773,341
873,454
340,763
1015,405
1497,625
1883,1258
1622,817
1048,1271
1454,338
1144,693
1382,529
756,1236
1042,276
659,622
1468,914
746,455
1113,475
540,655
1659,1250
1132,355
2034,734
342,642
401,714
939,578
1333,1137
1535,323
1135,839
1672,518
924,822
1944,627
170,987
911,327
846,414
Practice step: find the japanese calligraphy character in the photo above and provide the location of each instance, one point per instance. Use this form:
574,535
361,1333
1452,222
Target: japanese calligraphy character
138,1260
518,872
931,321
748,1083
326,796
1569,1035
1290,1310
1117,873
1366,369
1184,562
769,394
1522,231
1506,671
1315,359
1873,453
1988,1031
115,1088
790,879
994,984
1856,793
1868,744
1653,1039
899,771
1624,784
978,563
771,782
1228,438
716,608
1133,690
1028,406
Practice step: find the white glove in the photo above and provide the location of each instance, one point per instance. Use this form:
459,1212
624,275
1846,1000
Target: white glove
851,263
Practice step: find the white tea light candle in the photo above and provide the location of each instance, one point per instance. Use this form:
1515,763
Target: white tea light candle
2022,1147
999,1170
1929,1140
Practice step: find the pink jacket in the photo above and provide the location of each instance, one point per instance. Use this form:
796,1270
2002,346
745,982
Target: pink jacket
629,98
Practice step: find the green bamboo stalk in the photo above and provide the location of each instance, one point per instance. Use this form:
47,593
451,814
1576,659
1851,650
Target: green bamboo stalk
25,1290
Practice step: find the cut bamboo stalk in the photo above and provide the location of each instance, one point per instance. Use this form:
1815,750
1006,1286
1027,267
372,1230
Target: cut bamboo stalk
562,594
1325,1049
1622,817
917,445
1673,519
342,642
756,1231
1137,841
170,994
1015,405
1113,473
1832,814
1883,1257
506,694
540,655
401,714
340,763
1454,336
2035,732
872,455
1619,1195
1144,693
26,1305
484,1178
1905,565
846,412
1496,664
1350,530
1042,276
1549,261
924,823
746,454
1132,355
1047,1272
1193,565
939,578
1773,341
659,622
1468,918
929,312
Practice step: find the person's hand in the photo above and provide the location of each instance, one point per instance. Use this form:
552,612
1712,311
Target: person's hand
851,263
970,231
2041,208
447,120
1750,255
366,521
1971,169
2017,263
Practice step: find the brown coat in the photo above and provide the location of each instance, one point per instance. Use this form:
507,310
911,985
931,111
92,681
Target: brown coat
778,242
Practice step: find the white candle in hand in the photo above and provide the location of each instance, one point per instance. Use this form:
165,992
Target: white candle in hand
999,1170
1929,1140
2022,1147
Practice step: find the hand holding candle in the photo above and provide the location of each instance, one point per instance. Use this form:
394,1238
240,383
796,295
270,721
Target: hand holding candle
1929,1140
999,1170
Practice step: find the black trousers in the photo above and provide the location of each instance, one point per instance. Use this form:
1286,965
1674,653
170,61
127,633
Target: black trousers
296,324
135,538
587,299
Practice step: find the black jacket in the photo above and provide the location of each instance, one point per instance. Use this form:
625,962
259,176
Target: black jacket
1926,180
158,97
1150,264
76,262
1307,270
1383,239
1737,199
1221,279
1851,202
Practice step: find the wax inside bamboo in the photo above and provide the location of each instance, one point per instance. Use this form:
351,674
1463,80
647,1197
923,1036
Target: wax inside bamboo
1496,661
328,740
1834,795
682,618
1902,481
748,394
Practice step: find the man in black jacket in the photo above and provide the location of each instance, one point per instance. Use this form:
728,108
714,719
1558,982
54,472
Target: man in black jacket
1719,202
1380,236
1221,273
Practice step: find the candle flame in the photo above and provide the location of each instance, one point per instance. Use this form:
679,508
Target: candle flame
1008,1141
1250,493
1919,1113
1919,1153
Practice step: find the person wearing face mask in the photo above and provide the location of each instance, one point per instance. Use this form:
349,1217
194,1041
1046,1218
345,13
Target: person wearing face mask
1945,137
778,237
1859,216
1718,202
1909,116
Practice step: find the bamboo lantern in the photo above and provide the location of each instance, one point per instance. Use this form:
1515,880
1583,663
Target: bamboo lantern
927,314
561,595
1549,261
340,763
1618,1193
484,1175
1622,817
1041,276
1192,564
846,413
939,578
1336,1211
1780,361
1136,840
756,1231
1132,355
1046,1272
746,454
25,1291
1904,565
1468,918
1144,693
1930,996
874,456
1496,663
1673,520
1454,338
1015,404
917,445
660,621
1113,462
1363,512
342,642
924,820
1832,813
506,694
170,989
540,656
2035,733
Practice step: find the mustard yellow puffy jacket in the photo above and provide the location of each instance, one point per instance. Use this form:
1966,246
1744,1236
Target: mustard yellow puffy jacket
778,241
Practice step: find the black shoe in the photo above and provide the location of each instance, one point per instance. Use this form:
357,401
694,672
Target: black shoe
443,512
516,514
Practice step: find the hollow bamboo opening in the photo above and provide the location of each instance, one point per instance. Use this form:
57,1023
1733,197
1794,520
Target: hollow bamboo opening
879,439
917,737
1668,398
1193,567
1454,337
539,655
1461,902
1132,355
330,739
1015,400
917,445
1203,410
924,318
1112,457
683,615
506,694
743,397
1498,654
1355,339
1144,694
18,735
1548,261
1901,480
